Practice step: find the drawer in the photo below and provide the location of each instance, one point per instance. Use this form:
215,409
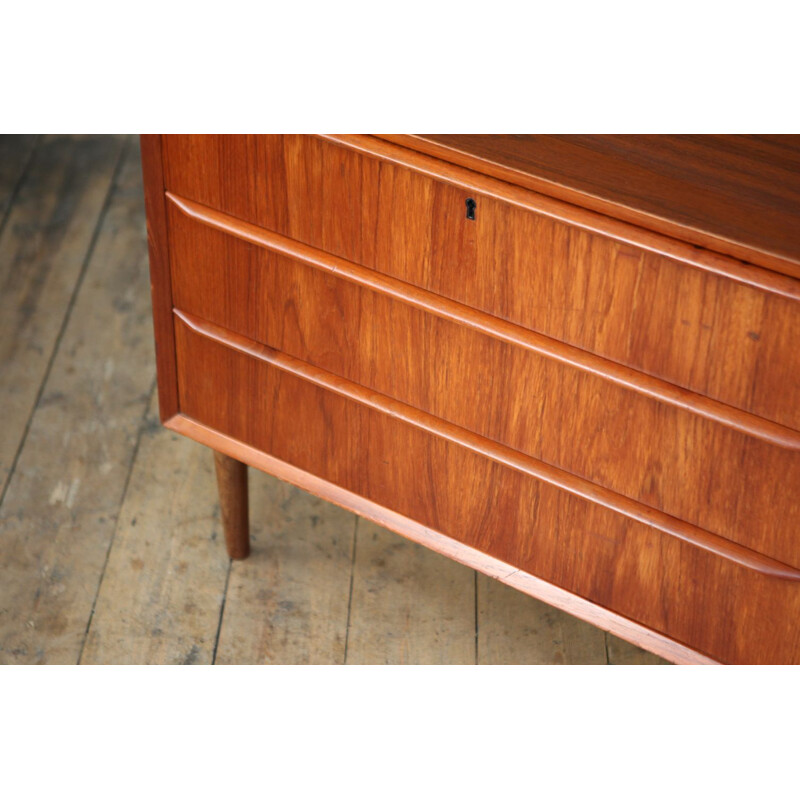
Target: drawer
662,457
695,328
384,453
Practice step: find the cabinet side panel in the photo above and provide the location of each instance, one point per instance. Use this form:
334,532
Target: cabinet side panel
160,283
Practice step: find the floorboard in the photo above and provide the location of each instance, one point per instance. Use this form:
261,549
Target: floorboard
516,629
409,605
288,602
59,512
621,652
45,244
163,587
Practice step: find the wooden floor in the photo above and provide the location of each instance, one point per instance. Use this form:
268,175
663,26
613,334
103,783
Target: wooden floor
110,544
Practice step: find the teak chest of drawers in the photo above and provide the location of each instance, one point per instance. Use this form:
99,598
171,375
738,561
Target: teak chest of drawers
572,363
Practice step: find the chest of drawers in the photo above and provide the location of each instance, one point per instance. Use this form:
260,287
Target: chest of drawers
571,363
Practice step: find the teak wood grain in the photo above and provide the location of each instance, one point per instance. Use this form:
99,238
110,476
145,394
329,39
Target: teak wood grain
494,451
497,328
616,438
697,329
610,410
736,194
586,548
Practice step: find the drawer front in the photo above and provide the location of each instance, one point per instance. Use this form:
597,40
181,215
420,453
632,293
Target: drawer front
693,596
663,457
699,330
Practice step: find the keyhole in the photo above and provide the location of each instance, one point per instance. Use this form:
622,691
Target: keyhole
471,204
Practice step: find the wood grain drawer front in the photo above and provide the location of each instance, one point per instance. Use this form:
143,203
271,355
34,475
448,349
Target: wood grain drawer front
666,458
708,332
344,435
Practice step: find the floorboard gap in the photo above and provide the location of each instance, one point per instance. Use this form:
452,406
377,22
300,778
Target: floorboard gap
350,595
221,611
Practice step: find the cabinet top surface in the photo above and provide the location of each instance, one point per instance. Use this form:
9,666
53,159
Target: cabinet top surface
736,194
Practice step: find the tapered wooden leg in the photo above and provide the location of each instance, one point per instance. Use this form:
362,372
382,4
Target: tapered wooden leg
232,484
